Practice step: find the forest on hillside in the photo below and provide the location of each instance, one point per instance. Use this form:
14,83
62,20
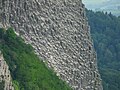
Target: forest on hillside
105,30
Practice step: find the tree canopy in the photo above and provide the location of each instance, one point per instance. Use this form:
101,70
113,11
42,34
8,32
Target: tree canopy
105,30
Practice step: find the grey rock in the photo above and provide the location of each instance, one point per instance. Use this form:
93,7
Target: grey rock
59,32
5,74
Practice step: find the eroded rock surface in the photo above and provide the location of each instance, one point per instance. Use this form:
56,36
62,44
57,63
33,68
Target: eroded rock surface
59,32
5,77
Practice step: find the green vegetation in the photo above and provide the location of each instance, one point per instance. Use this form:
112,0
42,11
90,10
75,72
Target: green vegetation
105,29
28,72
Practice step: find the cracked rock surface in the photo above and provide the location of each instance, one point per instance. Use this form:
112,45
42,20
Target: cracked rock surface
59,32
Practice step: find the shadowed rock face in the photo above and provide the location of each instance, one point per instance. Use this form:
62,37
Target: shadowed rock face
59,32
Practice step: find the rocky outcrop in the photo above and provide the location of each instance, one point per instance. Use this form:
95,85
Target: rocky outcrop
5,77
59,32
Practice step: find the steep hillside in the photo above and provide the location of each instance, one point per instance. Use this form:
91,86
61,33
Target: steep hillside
105,29
28,72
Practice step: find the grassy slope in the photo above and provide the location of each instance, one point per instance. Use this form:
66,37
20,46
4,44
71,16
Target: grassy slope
28,72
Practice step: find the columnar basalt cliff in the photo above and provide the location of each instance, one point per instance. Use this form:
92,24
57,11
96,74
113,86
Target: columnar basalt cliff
59,32
5,77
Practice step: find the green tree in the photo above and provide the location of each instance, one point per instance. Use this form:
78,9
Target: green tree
105,30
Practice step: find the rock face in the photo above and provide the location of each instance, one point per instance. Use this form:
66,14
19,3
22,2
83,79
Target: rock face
5,77
59,32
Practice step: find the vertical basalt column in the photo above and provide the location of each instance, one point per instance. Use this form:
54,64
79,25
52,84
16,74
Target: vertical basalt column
59,32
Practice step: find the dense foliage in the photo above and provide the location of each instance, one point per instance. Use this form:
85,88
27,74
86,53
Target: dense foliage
28,72
105,29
